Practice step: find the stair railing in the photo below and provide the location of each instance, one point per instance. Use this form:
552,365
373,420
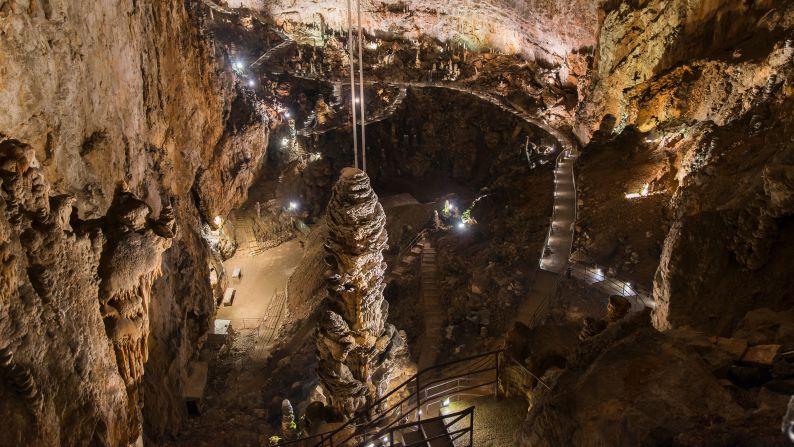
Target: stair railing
386,437
415,398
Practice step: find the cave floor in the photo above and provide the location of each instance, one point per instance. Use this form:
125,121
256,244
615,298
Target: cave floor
262,275
495,421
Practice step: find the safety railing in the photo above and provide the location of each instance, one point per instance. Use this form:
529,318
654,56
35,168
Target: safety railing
246,323
412,243
455,426
422,395
595,276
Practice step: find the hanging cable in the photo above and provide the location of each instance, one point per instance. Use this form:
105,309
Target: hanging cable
352,83
361,90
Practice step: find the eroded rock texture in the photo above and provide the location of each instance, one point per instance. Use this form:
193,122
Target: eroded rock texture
693,99
357,349
57,364
130,264
95,94
548,30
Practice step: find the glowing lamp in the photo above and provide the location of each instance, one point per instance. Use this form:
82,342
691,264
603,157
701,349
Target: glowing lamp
293,205
218,221
285,141
445,403
251,83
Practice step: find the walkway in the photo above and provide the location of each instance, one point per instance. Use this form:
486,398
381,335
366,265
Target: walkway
596,278
432,311
559,240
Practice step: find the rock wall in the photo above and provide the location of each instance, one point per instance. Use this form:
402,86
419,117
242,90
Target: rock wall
703,93
696,60
96,94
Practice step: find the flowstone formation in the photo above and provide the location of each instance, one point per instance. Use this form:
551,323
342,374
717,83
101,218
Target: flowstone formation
358,351
130,264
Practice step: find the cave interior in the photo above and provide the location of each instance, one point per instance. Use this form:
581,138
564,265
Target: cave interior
398,223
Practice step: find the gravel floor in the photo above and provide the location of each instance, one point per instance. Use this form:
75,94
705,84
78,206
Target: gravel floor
495,421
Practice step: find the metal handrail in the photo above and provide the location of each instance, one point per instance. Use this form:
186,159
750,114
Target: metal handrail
618,286
457,417
415,394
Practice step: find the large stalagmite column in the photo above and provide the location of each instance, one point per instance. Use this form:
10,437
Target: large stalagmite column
357,349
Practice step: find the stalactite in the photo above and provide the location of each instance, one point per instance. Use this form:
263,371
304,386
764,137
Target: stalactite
130,264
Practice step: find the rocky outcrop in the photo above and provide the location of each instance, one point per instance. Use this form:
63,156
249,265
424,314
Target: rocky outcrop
358,350
693,60
129,265
133,93
632,385
57,364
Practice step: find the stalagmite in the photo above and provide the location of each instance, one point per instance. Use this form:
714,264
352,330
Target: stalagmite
357,349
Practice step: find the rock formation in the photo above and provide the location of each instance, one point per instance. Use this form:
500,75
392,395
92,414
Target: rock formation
357,349
130,263
134,92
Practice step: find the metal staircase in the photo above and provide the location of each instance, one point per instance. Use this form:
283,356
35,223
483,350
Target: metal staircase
417,412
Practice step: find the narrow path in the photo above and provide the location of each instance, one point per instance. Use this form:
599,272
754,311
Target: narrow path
433,312
559,240
596,278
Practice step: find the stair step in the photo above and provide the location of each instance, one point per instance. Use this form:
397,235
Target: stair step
413,437
437,428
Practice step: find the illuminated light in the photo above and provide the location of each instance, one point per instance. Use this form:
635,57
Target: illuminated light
238,65
445,403
372,45
285,141
385,438
251,83
287,114
293,205
357,101
218,221
461,226
419,412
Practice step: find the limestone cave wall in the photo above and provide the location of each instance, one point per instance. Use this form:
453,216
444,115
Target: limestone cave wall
690,103
701,91
97,93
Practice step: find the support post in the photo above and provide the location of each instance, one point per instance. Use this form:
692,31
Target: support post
418,399
496,384
471,427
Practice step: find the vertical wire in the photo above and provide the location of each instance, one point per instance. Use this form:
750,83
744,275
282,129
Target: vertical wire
361,90
352,83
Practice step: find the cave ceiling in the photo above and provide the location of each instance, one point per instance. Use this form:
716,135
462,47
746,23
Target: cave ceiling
545,30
